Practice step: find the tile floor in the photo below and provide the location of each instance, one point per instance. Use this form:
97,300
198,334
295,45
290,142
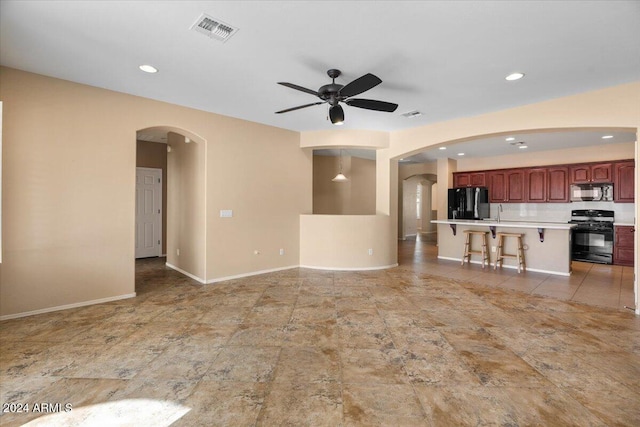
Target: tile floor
594,284
397,347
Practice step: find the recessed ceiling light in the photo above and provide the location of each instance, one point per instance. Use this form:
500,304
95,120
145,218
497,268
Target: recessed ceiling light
443,148
510,139
148,68
514,76
460,154
607,137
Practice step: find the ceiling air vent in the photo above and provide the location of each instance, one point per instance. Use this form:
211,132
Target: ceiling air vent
213,28
411,114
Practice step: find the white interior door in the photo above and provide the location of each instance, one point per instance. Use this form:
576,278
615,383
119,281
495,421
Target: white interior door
148,212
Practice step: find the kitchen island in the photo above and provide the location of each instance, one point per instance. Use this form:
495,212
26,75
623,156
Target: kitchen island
547,245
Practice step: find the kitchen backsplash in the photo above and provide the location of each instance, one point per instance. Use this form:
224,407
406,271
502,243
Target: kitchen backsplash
559,212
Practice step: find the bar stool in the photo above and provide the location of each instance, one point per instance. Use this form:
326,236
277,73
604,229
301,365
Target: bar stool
519,255
467,247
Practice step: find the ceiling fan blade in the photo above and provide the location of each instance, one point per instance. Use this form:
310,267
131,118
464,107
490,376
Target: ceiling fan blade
371,104
300,88
359,85
299,107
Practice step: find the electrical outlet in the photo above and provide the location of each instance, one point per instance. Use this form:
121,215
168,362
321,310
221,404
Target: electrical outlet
493,248
370,251
281,251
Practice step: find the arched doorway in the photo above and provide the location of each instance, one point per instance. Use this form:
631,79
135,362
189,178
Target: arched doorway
180,156
562,153
419,203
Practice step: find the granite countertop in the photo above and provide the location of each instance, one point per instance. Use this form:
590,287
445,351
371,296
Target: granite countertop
624,224
491,222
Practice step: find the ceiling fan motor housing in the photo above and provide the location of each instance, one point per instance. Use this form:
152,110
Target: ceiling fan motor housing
330,92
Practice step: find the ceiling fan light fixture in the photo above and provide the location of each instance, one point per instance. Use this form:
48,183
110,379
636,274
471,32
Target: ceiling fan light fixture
340,177
336,114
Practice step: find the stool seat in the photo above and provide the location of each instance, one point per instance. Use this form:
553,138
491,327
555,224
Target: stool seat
467,247
519,255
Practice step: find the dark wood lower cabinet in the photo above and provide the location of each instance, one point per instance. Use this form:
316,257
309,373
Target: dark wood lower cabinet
623,252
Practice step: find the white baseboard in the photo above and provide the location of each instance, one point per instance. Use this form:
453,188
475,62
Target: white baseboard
383,267
186,273
253,273
66,307
556,273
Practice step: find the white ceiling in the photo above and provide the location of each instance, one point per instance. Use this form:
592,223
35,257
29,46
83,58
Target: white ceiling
447,59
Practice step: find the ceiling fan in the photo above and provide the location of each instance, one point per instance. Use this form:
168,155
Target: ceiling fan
335,93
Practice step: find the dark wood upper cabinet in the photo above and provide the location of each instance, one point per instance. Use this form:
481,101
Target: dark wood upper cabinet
591,172
558,184
515,186
497,187
536,185
546,185
507,186
623,182
580,174
550,184
602,173
469,179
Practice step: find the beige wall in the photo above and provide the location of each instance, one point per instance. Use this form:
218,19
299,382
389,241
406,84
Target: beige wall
342,242
363,186
68,221
354,197
186,216
345,138
331,198
154,155
262,175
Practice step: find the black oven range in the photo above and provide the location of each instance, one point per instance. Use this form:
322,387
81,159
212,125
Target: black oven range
592,238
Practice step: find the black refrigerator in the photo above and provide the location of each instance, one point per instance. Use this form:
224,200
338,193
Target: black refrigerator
468,203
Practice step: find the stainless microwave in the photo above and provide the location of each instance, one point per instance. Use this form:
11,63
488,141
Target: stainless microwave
591,192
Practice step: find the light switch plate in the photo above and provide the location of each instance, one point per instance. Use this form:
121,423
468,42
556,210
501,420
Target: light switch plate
226,213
